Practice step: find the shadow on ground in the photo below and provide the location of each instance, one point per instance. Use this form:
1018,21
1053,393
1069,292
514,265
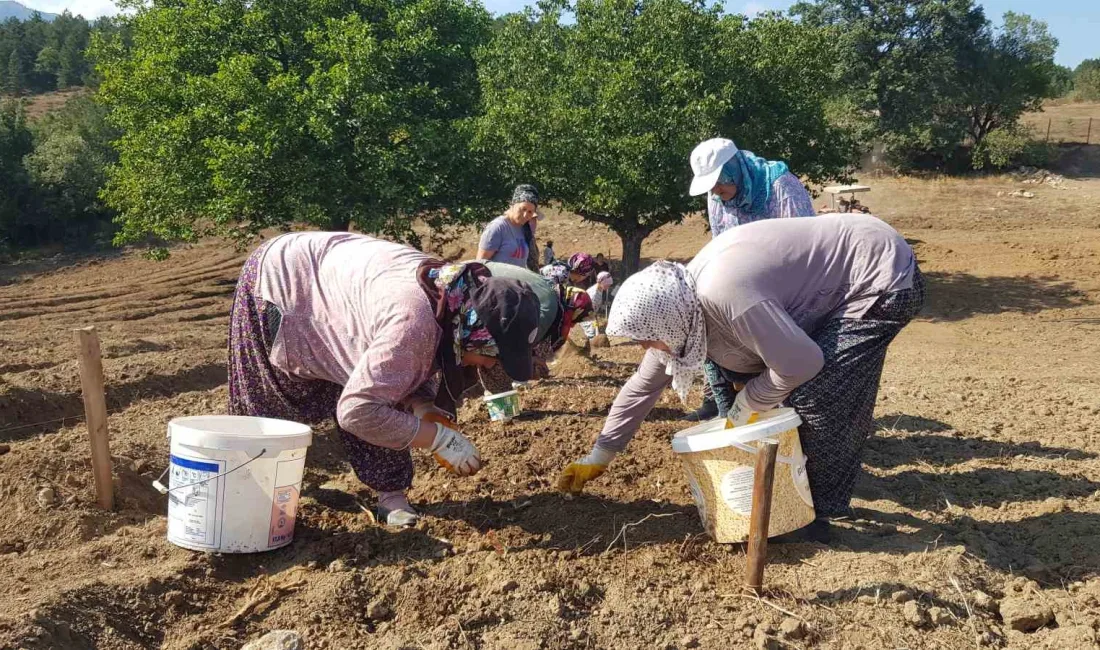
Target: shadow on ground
957,296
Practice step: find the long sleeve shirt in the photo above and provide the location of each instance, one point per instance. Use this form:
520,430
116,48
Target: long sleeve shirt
764,288
354,315
789,198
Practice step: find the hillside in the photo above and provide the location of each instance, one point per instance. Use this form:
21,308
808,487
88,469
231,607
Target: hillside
9,9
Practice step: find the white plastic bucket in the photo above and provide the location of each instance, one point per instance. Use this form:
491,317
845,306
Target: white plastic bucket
234,482
719,464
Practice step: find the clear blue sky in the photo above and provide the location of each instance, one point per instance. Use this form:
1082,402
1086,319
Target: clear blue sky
1075,23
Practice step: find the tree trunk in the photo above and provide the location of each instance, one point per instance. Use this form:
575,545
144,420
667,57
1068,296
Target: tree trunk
339,223
632,252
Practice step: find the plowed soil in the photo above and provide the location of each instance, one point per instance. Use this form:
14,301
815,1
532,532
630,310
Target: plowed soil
984,476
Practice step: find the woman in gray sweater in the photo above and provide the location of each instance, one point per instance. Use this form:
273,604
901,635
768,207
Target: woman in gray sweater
802,310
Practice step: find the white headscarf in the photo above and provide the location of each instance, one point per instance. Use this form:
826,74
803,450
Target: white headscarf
659,304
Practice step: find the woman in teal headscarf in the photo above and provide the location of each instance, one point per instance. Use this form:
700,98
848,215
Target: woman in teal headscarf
743,187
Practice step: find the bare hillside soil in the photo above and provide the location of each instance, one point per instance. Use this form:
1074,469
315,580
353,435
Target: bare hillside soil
978,517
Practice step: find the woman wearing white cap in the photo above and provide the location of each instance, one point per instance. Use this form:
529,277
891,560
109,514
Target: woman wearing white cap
741,188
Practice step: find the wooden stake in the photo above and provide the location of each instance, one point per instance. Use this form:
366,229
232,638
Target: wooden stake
1088,136
763,480
95,413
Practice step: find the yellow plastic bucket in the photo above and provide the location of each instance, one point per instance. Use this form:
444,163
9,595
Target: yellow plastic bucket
719,465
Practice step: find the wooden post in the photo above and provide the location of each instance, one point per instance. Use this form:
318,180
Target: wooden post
1088,136
95,413
763,480
1048,129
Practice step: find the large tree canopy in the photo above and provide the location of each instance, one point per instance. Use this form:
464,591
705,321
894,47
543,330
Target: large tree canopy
243,114
604,112
935,76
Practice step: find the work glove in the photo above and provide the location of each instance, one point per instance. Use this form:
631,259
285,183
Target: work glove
574,477
741,413
454,451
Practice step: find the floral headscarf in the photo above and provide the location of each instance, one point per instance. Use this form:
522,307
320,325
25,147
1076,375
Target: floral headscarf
448,287
557,271
581,263
470,333
660,304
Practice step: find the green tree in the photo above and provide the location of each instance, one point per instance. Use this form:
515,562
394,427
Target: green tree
16,78
241,115
899,63
604,112
1061,81
1011,73
16,141
68,168
1086,80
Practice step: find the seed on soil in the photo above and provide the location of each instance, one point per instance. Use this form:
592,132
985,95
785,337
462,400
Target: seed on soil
337,565
983,601
46,497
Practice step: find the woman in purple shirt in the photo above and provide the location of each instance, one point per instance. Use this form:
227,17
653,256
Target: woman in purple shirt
741,188
803,309
336,324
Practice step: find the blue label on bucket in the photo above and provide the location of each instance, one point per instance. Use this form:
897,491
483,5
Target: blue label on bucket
194,464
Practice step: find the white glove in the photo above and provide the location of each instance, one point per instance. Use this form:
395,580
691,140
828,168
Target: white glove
740,413
455,452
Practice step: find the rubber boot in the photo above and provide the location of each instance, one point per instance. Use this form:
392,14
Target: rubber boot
708,411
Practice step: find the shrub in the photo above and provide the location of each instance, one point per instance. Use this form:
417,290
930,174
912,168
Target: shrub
1011,147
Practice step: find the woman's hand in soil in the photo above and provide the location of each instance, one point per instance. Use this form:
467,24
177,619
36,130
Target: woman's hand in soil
454,451
577,475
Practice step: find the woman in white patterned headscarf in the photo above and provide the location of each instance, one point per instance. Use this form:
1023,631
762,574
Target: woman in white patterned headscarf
804,309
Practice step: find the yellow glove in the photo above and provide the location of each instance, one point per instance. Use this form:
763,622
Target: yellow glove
741,413
574,477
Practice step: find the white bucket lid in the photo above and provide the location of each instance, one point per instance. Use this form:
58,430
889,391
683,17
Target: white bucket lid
714,434
239,432
489,398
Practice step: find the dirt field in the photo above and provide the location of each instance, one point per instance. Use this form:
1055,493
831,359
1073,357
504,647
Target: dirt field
1068,121
979,510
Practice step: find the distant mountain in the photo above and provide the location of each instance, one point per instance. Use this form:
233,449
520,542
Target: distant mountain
10,9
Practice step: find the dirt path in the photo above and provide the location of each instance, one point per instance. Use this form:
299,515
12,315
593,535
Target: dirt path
983,478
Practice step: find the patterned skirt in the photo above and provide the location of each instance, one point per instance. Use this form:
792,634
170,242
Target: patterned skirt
837,406
258,388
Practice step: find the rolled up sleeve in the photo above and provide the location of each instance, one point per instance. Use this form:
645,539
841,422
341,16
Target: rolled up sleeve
633,403
396,365
792,358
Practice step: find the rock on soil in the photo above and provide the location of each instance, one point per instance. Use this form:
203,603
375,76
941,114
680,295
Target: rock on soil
47,497
792,628
914,615
1025,614
901,596
277,640
762,641
1077,636
939,616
